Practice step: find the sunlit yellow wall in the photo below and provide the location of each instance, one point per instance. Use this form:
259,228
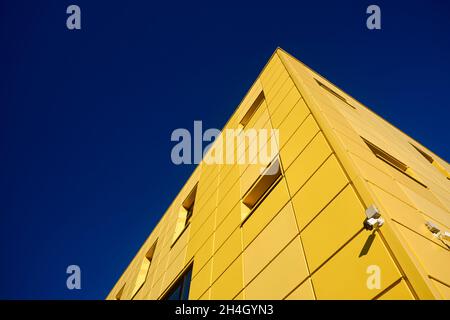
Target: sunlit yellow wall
406,204
306,238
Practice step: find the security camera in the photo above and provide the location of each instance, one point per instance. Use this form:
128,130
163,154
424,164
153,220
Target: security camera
446,235
374,219
370,224
432,227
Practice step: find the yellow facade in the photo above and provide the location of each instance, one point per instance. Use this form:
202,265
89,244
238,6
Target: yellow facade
304,238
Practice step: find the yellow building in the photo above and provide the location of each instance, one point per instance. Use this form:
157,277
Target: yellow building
304,232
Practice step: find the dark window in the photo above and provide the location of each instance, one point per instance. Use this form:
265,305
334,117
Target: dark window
175,294
180,289
186,285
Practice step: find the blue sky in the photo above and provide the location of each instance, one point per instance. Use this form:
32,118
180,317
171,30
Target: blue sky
86,116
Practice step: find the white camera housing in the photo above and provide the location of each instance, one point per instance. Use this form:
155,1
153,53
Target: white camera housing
446,235
374,219
432,227
372,212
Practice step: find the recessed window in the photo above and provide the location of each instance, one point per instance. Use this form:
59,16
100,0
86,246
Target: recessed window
261,187
185,214
144,269
120,292
180,289
334,93
188,205
251,111
430,159
393,162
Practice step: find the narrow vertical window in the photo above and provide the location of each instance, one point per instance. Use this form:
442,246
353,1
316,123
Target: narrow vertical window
120,292
185,214
144,269
180,289
188,205
251,111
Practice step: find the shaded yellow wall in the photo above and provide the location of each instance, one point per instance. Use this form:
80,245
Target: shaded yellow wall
305,240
